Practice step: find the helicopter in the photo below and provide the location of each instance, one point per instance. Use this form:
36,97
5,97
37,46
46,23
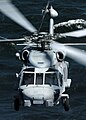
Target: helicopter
43,79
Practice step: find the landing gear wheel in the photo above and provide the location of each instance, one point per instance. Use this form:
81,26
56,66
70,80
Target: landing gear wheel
66,104
16,103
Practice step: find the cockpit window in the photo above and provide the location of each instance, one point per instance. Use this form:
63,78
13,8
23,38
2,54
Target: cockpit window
51,79
39,78
28,78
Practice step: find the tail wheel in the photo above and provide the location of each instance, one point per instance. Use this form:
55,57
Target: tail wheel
66,104
16,103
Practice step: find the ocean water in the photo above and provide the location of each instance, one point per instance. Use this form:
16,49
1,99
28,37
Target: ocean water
9,65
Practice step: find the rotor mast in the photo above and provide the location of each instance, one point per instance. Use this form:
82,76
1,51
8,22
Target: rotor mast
53,14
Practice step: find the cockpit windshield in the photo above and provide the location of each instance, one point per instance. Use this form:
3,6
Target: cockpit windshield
51,79
39,78
28,78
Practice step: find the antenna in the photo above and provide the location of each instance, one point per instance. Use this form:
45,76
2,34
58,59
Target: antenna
44,13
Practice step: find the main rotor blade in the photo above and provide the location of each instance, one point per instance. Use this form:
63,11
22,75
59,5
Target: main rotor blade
5,40
13,13
78,33
73,53
74,44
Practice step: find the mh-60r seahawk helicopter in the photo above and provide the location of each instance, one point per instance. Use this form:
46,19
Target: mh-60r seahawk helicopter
43,78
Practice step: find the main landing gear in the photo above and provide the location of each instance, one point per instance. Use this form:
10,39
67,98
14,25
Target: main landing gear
65,103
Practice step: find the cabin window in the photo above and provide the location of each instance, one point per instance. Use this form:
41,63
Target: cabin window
28,78
39,78
51,79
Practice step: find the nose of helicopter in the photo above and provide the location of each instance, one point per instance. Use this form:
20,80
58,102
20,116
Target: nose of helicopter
39,92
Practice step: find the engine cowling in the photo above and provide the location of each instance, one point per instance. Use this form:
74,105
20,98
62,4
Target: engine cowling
24,55
60,55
